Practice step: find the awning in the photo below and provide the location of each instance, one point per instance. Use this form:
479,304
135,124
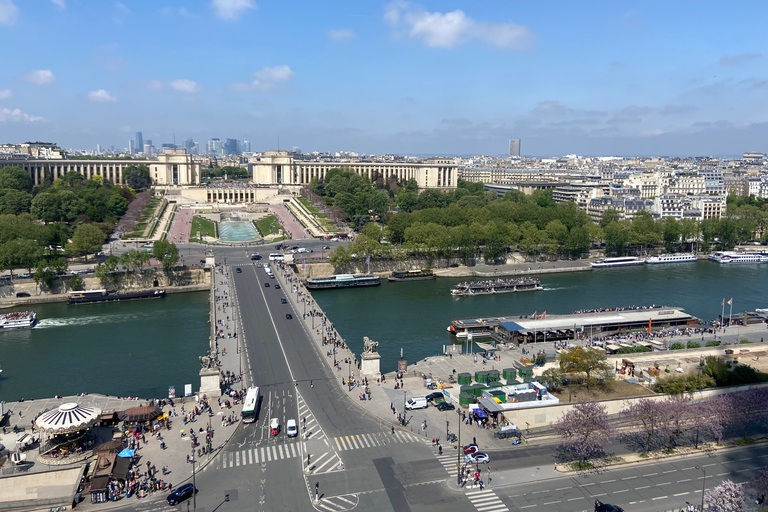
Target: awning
490,405
24,439
67,418
99,483
127,453
480,413
145,413
612,347
121,467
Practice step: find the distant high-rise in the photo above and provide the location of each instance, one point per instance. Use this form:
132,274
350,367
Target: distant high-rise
246,146
514,147
189,144
231,147
131,146
138,142
98,149
214,147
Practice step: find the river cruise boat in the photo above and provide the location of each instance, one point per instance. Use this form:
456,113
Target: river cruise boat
671,258
424,274
623,261
91,296
521,284
342,281
738,257
18,320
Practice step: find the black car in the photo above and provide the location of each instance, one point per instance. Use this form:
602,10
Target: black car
255,256
277,286
182,493
283,301
433,396
239,270
728,351
266,285
445,406
22,294
288,316
604,507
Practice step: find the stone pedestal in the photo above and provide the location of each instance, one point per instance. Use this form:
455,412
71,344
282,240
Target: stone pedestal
371,365
209,382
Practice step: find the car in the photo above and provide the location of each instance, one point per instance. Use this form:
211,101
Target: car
729,351
22,294
445,406
274,426
5,277
202,262
259,265
327,248
334,239
239,270
291,430
295,248
283,301
256,256
477,458
453,265
435,395
180,494
471,448
277,286
25,276
605,507
288,316
266,285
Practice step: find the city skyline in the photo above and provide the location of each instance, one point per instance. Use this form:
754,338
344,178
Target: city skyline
389,77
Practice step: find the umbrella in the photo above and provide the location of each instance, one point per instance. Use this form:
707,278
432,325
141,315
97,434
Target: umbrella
127,453
16,458
67,418
148,412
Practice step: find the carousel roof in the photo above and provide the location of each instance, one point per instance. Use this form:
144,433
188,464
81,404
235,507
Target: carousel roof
71,417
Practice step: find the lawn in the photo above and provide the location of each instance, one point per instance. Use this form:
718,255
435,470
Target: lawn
203,226
269,225
616,389
312,208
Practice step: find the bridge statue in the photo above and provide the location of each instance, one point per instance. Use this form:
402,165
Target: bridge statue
209,375
369,347
208,362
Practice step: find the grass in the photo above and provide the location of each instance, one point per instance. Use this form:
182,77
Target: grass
312,208
203,226
269,225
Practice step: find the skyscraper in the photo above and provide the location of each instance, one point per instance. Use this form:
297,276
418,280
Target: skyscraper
214,147
231,147
138,142
246,146
131,146
514,147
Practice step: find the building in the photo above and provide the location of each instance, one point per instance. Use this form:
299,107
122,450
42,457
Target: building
514,147
627,207
214,147
173,167
279,167
753,156
138,142
131,147
647,184
580,193
231,147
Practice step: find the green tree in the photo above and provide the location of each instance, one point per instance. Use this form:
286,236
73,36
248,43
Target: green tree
137,177
14,202
609,215
340,257
372,231
166,253
583,360
46,207
76,282
86,239
15,178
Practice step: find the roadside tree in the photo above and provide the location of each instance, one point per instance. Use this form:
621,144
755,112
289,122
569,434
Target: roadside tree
647,414
583,360
584,431
726,497
166,253
86,239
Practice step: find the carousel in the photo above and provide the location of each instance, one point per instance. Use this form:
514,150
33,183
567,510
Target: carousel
68,436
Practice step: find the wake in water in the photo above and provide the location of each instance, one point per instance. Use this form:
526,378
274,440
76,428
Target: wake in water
48,323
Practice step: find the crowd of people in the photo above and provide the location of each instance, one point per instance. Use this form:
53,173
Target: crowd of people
493,284
620,308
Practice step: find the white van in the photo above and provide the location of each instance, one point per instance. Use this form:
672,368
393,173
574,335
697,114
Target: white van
417,402
276,256
291,429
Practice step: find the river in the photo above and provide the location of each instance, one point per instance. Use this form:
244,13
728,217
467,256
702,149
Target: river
414,315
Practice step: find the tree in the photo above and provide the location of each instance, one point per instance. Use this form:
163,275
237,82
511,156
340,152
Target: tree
76,282
552,378
14,202
372,231
584,431
137,177
746,406
166,253
15,178
340,257
46,207
726,497
583,359
646,413
86,239
760,484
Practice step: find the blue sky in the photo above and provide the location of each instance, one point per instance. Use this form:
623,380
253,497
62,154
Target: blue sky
435,77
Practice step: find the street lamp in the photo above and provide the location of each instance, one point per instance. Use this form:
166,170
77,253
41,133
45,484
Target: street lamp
703,482
194,483
458,452
349,371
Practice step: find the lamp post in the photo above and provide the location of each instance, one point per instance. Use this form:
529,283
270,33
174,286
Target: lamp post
349,371
703,483
405,393
194,483
458,452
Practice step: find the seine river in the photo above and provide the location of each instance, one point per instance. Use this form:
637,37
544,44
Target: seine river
136,348
141,348
414,316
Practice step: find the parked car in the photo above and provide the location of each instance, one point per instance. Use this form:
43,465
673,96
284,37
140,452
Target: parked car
25,275
288,316
471,448
729,351
477,458
445,406
239,270
182,493
266,285
435,395
256,256
605,507
283,301
22,294
277,286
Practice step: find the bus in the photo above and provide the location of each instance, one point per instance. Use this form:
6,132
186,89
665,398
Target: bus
251,405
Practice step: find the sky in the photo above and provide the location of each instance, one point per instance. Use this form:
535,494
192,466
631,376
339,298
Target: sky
430,78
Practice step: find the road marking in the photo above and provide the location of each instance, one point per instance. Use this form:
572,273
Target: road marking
617,492
643,487
659,498
282,456
681,494
256,455
685,480
563,488
293,450
574,499
629,478
264,457
237,458
365,439
670,471
651,474
608,481
250,456
244,452
269,455
274,452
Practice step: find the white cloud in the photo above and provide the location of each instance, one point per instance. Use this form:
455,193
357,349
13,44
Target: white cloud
8,13
154,85
40,77
61,4
5,94
101,96
266,79
451,29
737,60
342,34
232,9
184,85
121,7
8,116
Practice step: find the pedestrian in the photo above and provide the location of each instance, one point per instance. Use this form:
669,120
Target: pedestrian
481,485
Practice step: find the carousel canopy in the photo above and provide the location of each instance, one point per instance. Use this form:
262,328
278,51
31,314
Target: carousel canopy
67,418
148,412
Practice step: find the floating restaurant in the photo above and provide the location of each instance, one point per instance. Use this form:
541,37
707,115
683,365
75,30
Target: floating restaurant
543,327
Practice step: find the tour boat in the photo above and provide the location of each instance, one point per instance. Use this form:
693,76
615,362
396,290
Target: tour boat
424,274
671,258
617,262
18,320
342,281
521,284
737,257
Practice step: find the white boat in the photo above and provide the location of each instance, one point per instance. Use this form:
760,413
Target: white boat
738,257
671,258
617,262
18,320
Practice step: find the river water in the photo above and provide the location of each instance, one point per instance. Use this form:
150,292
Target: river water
135,348
414,315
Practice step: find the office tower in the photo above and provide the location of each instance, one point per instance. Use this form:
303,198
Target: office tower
131,146
189,144
98,149
148,147
231,147
196,148
514,147
214,147
246,146
138,142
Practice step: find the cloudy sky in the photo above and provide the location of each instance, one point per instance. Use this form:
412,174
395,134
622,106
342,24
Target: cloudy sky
435,77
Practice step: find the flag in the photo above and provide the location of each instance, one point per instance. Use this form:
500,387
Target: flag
543,315
722,302
730,302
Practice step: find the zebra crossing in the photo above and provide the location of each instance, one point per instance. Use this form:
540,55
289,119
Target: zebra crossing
250,456
448,461
307,421
338,503
361,441
486,501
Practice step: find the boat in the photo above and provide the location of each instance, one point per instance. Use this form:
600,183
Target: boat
671,258
623,261
737,257
342,281
18,320
520,284
423,274
91,296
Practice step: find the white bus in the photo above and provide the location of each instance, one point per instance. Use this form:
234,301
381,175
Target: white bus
251,405
276,256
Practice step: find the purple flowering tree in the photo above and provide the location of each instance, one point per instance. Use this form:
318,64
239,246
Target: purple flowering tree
760,484
726,497
648,415
746,406
584,431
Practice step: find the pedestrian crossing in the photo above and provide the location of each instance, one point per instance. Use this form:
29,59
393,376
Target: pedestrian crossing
448,461
486,501
307,422
320,462
338,503
361,441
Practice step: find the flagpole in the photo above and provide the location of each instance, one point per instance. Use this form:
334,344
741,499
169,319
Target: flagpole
722,315
730,313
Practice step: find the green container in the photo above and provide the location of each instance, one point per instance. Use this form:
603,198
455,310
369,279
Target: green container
479,388
466,398
495,385
510,374
465,379
493,375
526,373
467,389
500,395
481,376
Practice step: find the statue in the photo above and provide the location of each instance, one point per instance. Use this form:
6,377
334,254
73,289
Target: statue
208,362
369,347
